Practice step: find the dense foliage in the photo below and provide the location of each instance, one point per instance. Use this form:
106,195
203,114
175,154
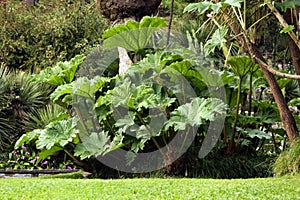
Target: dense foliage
32,38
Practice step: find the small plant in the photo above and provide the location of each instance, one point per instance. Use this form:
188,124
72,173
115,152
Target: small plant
288,163
26,157
23,158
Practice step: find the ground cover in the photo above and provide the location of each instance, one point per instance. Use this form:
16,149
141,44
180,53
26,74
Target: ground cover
37,188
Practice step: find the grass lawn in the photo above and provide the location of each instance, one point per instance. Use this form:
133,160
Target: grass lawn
37,188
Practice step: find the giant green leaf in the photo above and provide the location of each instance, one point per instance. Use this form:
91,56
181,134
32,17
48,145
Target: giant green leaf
57,133
252,133
81,151
61,73
28,137
241,65
196,113
88,87
204,6
48,152
126,123
149,96
60,92
133,35
97,144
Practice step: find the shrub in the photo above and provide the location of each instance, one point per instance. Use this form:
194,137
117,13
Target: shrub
224,166
40,36
288,163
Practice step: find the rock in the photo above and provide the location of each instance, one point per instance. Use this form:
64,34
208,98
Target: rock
116,9
21,176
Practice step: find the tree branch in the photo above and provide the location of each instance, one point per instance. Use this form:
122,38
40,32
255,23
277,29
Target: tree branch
273,71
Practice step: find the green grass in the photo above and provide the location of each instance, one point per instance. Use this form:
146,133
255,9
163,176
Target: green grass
36,188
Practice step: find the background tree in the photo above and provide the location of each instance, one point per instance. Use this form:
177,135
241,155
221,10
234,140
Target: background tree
244,21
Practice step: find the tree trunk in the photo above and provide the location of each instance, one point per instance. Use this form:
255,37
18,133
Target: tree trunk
286,116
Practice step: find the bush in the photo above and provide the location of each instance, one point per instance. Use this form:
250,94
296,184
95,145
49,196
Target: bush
40,36
288,163
232,167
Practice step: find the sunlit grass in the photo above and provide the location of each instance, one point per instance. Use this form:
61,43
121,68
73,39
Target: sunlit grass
35,188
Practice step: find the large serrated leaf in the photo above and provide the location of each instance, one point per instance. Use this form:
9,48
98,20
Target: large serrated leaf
196,112
82,151
57,133
96,143
133,36
61,73
48,152
27,137
252,133
201,7
88,87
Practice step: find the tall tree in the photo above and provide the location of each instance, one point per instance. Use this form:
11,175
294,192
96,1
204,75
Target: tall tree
244,18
